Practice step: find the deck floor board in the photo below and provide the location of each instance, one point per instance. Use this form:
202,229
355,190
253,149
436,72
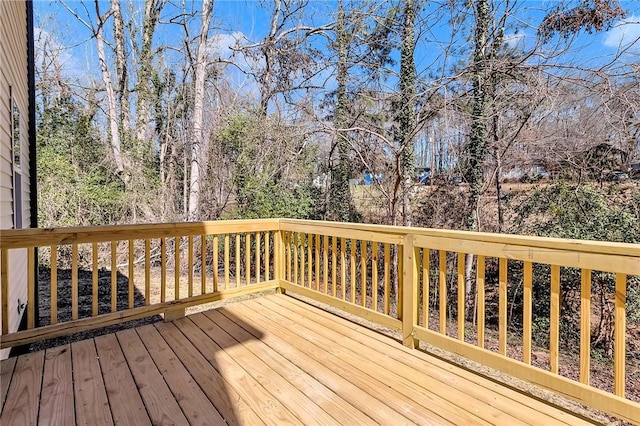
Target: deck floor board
270,360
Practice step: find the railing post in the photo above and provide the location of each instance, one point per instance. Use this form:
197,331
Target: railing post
278,257
409,291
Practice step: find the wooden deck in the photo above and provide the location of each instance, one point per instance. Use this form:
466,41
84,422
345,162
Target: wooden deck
270,360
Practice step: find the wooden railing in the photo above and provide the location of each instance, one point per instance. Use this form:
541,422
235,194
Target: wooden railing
108,275
353,267
474,294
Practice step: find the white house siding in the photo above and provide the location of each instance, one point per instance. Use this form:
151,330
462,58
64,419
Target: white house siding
13,73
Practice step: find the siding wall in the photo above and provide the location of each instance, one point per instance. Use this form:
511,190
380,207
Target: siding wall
13,73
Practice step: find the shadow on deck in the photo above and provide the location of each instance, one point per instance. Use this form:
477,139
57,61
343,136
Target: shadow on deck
270,360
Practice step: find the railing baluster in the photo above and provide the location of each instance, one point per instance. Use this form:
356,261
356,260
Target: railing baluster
585,325
114,276
237,260
247,258
387,276
310,259
317,270
502,306
176,269
203,264
163,269
31,288
400,277
325,264
53,298
267,262
426,285
353,249
363,272
442,295
258,250
288,250
227,255
74,281
461,295
4,277
343,267
302,257
147,271
190,266
480,282
131,260
554,338
334,266
296,241
215,268
619,349
374,276
94,285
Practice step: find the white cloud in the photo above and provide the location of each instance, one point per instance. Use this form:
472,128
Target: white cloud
513,40
220,45
624,34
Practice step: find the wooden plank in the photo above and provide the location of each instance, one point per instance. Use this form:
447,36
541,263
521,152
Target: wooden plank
38,237
91,402
131,275
459,403
23,398
247,259
233,408
502,306
161,405
480,284
234,353
226,261
296,243
95,291
442,295
343,267
56,399
363,273
374,275
527,312
4,282
345,305
403,396
325,263
114,277
287,243
400,278
147,271
585,326
327,228
461,295
190,267
84,324
410,292
525,251
203,264
258,252
330,402
590,396
310,259
620,327
440,374
376,399
194,403
124,399
352,263
387,277
554,320
31,288
267,254
238,266
7,366
215,247
317,252
74,281
176,269
53,276
426,286
334,266
302,257
163,269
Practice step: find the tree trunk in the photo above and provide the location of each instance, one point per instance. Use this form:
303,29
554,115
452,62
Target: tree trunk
198,112
121,67
112,110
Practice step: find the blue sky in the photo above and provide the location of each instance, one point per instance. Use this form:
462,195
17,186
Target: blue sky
245,19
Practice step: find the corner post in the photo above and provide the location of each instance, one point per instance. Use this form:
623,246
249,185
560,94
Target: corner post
409,291
278,258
